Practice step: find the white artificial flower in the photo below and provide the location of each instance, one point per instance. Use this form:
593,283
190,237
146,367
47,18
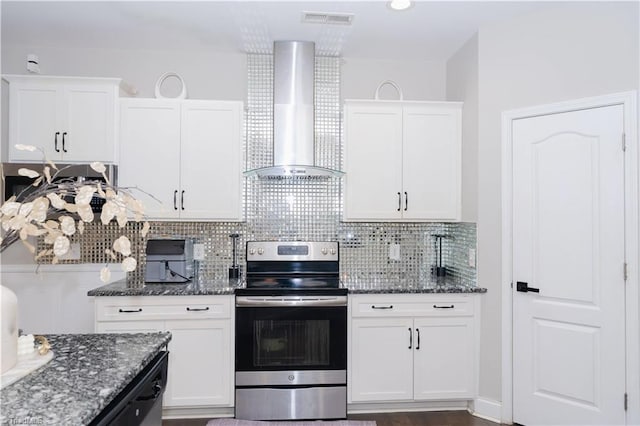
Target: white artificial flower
105,274
81,226
39,210
61,246
28,172
17,222
109,210
129,264
67,225
25,209
85,194
10,208
56,201
51,236
122,245
47,173
98,167
71,208
85,213
145,229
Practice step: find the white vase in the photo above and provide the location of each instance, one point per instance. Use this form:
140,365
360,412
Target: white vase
8,328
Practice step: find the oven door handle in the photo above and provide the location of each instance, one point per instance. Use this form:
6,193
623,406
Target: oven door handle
291,301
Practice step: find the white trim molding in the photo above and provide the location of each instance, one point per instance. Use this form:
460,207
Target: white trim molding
487,409
629,101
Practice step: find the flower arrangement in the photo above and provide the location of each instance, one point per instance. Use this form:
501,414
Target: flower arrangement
56,208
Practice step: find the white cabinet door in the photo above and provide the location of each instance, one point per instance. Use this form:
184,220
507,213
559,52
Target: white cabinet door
373,161
186,154
402,161
431,160
200,364
89,131
71,119
35,114
381,359
150,154
444,358
211,160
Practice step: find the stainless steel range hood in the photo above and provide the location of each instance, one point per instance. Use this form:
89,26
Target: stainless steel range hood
293,115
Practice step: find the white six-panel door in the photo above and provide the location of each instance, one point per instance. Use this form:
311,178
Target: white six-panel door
569,243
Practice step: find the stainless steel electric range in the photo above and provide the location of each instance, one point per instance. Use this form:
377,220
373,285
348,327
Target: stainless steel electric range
291,333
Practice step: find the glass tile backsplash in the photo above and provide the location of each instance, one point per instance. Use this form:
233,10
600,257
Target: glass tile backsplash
304,210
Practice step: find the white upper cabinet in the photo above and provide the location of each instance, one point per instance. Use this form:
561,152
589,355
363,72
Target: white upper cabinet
186,155
402,160
73,120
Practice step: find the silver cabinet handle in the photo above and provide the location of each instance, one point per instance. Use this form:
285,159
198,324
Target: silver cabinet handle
399,201
129,311
64,135
381,307
444,307
55,142
418,333
182,200
410,338
175,196
406,201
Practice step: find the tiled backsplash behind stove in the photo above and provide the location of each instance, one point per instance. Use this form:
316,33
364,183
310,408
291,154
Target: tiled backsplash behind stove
305,210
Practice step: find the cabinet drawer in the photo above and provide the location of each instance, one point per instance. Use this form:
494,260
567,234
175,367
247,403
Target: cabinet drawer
410,305
144,308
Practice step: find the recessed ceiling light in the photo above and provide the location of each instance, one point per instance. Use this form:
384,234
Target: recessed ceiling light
400,4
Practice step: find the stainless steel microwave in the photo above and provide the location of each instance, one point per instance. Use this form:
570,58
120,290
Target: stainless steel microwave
21,186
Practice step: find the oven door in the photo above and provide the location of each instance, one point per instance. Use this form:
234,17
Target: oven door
292,334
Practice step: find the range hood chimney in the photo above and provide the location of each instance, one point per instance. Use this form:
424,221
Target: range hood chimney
293,115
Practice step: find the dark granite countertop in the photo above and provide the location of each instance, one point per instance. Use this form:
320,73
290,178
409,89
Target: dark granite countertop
119,288
425,289
86,373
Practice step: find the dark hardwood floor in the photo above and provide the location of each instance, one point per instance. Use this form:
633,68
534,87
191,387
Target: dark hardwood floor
426,418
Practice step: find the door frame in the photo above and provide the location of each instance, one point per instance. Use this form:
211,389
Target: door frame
629,101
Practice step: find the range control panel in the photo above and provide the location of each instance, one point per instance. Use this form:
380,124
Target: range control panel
292,250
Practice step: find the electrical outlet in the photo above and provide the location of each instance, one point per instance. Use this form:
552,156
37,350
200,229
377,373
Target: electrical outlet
394,251
73,253
198,251
471,258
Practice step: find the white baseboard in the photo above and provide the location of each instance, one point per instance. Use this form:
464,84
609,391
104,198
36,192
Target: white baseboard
487,409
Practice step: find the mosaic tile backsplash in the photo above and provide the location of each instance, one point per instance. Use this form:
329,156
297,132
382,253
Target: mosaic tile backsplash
304,210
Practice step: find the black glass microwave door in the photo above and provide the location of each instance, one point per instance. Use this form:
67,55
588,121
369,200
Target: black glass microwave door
290,338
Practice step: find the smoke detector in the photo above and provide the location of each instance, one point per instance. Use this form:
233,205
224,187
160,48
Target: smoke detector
327,18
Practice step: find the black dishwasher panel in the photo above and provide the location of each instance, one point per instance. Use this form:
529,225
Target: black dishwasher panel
140,403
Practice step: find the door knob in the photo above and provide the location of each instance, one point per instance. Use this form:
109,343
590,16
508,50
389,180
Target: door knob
524,287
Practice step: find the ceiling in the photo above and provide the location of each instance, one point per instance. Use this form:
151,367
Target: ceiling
429,30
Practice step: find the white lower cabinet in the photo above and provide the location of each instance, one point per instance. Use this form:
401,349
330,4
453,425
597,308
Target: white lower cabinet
414,347
201,349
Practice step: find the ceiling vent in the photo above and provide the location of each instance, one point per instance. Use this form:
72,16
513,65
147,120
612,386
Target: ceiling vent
327,18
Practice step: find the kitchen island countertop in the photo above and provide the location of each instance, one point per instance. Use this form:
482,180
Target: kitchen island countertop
87,372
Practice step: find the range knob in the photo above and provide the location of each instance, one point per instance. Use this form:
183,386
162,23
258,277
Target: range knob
252,251
260,251
324,250
333,251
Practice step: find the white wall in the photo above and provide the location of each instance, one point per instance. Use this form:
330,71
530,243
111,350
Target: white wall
207,75
566,51
419,80
462,85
